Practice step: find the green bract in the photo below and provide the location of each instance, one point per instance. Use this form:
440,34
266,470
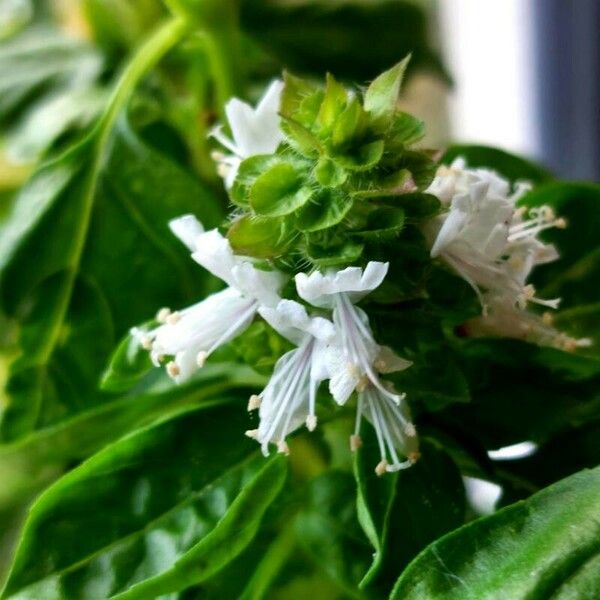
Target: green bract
346,152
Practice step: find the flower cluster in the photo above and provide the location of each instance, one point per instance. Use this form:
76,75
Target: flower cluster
493,244
341,350
320,177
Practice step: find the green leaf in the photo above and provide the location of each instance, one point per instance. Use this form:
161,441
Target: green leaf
362,158
108,198
248,172
511,166
300,138
84,294
128,364
334,102
295,91
403,512
279,191
326,209
349,126
173,504
405,130
382,224
334,255
259,237
31,463
543,547
382,95
328,174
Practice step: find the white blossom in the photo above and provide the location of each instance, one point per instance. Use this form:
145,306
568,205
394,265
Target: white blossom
189,336
289,398
396,434
253,130
354,358
485,238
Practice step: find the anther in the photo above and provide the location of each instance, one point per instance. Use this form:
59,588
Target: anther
355,442
201,358
409,430
548,318
381,468
173,318
282,447
173,369
311,422
414,456
251,433
254,402
146,342
163,314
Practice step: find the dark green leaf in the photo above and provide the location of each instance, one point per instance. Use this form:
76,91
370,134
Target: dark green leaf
327,208
328,174
173,504
382,223
544,547
403,512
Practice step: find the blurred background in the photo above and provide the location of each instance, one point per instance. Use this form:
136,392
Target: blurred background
518,74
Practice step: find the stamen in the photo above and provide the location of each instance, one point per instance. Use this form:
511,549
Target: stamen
283,448
251,433
146,342
311,422
381,468
163,314
413,457
201,358
355,442
173,318
254,402
410,430
173,369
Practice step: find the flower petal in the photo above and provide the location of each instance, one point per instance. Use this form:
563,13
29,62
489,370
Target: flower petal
187,228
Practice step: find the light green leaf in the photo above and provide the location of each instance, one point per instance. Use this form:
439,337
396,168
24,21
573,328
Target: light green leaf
382,95
544,547
173,504
259,237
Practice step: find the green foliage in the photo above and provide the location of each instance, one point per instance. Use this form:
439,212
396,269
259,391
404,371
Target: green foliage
544,547
161,523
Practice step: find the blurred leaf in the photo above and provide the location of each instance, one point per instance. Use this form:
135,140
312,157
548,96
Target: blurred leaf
403,512
511,166
83,252
544,547
42,73
329,531
173,504
319,36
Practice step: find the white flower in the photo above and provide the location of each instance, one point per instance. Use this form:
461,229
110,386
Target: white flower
192,334
396,434
484,237
354,358
254,131
505,320
289,398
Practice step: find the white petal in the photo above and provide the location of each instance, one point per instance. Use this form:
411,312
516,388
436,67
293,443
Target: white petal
292,321
187,228
262,285
319,289
214,253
